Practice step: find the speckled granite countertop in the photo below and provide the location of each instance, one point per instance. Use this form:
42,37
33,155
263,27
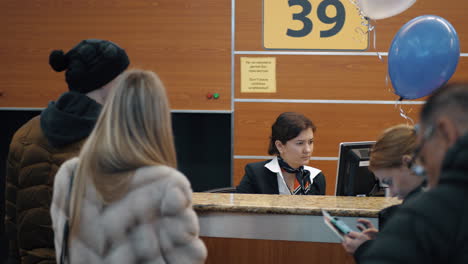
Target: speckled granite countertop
286,204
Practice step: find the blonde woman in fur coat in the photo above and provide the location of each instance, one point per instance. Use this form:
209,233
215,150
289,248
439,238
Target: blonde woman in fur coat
127,202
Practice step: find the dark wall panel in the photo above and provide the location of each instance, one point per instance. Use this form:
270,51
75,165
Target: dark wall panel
203,143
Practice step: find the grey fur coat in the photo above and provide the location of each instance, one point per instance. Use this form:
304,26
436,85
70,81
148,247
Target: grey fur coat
153,223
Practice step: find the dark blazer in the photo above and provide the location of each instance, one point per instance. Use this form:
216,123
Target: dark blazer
260,180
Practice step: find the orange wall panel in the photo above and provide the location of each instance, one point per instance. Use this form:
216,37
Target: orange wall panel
186,42
249,22
332,78
335,123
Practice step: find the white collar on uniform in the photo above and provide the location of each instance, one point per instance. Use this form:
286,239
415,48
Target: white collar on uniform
273,166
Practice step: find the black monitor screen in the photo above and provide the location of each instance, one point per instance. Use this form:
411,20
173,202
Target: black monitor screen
354,177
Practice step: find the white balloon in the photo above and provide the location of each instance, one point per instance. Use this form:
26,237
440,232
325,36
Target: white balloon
380,9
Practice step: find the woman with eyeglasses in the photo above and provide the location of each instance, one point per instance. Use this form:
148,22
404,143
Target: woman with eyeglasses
292,144
391,161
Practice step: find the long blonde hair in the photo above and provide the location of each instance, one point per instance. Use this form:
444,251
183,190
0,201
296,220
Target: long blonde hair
134,130
392,145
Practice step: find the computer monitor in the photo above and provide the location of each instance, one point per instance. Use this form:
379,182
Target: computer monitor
353,177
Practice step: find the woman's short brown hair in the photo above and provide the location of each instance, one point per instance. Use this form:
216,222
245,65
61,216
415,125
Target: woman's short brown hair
287,126
393,144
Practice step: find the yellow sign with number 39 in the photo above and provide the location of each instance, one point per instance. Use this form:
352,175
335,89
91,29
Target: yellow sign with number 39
313,24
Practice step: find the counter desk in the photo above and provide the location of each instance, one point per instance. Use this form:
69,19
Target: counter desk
248,228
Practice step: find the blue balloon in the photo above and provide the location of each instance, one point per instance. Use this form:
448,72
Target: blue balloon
423,56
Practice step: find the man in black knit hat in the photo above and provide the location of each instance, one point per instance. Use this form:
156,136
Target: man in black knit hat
40,146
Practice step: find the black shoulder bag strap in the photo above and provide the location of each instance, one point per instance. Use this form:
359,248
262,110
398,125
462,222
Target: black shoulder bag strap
66,228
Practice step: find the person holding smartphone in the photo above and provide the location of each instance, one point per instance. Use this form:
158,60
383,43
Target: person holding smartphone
391,161
431,227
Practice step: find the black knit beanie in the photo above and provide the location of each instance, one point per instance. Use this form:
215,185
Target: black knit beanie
90,65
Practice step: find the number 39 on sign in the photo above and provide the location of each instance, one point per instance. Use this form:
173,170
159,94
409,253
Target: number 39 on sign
313,24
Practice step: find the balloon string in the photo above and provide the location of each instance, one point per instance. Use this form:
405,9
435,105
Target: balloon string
403,113
365,21
374,40
373,29
375,44
386,82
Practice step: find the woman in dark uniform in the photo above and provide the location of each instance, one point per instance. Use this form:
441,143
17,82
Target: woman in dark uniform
292,144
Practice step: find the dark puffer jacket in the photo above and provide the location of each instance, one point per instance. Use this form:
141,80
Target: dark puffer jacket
37,150
432,227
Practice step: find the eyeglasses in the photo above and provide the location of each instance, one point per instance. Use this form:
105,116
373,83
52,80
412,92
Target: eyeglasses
416,168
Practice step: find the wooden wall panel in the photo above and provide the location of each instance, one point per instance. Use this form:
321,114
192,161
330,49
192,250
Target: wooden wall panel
328,167
251,251
333,78
335,123
186,42
249,22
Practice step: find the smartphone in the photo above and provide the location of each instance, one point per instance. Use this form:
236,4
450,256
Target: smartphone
338,227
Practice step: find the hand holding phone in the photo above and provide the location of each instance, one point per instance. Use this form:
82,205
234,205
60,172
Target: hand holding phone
336,225
353,240
367,228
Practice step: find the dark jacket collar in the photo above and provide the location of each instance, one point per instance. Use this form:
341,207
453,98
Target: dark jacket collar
414,192
455,164
70,119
